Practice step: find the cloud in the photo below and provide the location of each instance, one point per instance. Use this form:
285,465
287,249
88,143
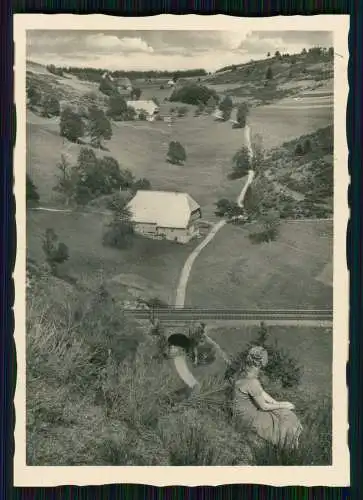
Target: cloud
109,43
164,49
261,42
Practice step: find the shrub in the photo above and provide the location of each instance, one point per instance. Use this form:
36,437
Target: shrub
120,230
55,252
241,162
176,153
32,195
141,184
136,93
299,151
242,113
226,107
71,125
307,146
227,208
182,111
142,116
51,106
281,367
34,95
269,74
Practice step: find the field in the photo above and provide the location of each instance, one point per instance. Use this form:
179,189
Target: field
150,267
210,145
285,273
142,148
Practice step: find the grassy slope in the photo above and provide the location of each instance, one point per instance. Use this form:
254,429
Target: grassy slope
142,147
278,274
290,75
157,262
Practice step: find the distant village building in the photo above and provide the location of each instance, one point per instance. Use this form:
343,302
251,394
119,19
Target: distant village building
165,215
171,83
150,109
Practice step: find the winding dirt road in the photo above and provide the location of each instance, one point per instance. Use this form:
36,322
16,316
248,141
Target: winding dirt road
180,361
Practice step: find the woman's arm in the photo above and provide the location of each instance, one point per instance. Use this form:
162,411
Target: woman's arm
259,396
263,405
268,398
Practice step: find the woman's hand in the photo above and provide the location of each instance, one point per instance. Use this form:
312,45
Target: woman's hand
286,405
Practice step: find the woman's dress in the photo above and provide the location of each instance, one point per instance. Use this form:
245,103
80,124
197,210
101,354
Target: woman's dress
280,427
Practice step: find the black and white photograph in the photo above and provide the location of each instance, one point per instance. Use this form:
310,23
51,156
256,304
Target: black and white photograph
180,229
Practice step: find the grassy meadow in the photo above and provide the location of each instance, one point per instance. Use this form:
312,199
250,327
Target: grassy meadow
281,274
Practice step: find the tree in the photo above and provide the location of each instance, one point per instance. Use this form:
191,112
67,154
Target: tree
136,93
269,74
226,107
120,230
55,252
176,153
270,222
51,106
106,87
34,95
258,153
299,151
277,54
193,93
307,146
331,51
268,54
66,181
117,107
242,113
141,184
304,51
32,195
71,125
241,162
99,126
228,208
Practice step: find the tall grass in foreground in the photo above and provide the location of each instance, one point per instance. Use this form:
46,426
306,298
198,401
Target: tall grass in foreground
97,395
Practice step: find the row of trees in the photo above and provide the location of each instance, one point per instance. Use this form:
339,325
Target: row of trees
92,177
95,74
49,104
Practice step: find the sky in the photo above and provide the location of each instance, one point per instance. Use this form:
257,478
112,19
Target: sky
162,49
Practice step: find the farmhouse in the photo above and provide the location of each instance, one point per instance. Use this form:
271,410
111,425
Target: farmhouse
165,215
148,107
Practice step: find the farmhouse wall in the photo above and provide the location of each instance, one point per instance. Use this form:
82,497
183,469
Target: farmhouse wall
180,235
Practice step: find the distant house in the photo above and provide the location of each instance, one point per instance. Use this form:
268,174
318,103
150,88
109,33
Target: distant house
171,83
165,215
148,107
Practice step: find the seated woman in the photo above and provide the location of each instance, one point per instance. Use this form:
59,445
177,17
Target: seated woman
254,409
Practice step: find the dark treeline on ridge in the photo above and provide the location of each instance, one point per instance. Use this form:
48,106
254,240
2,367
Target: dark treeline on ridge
95,74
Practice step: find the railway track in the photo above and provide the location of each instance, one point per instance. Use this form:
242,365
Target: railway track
190,314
